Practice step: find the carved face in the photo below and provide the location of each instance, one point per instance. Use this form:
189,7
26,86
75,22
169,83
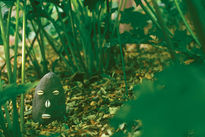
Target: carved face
49,100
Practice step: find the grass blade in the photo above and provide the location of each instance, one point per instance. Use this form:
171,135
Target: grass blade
6,47
16,41
23,68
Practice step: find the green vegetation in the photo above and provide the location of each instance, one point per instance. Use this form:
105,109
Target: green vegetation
103,50
9,93
170,106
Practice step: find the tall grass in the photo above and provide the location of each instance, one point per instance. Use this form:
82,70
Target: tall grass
4,33
12,76
10,92
23,66
156,99
82,47
82,34
16,40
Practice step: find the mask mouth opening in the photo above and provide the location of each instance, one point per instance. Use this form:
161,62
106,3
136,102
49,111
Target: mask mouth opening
46,116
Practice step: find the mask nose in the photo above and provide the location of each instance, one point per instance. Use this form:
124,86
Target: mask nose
47,103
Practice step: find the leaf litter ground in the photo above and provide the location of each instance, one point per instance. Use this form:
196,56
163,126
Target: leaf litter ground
89,108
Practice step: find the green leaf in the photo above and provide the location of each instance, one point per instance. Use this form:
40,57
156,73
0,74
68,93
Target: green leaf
91,3
181,39
137,19
174,107
137,2
8,3
13,90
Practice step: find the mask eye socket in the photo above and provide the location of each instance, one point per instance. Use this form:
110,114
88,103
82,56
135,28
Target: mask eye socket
40,92
55,92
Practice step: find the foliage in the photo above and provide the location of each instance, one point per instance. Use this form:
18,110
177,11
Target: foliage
76,30
10,93
82,37
13,90
8,3
197,18
138,22
91,3
171,13
171,106
85,39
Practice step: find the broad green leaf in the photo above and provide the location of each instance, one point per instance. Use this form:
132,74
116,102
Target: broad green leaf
13,90
175,108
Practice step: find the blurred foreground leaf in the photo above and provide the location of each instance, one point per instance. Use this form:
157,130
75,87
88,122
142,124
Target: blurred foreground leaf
13,90
174,108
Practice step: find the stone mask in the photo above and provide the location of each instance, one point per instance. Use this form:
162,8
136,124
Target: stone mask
49,100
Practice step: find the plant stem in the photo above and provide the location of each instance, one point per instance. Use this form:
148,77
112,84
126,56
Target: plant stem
29,52
74,31
6,48
123,64
149,6
42,49
66,46
164,29
72,46
197,11
2,124
118,17
23,67
118,14
8,119
8,24
100,42
16,42
186,23
51,42
16,128
125,3
149,11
